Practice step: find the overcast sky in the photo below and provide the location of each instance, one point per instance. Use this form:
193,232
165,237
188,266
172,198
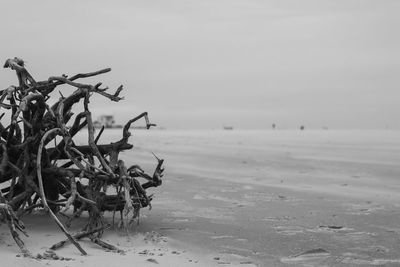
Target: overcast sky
209,63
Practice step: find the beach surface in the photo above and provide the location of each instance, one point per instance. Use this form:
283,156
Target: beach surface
249,198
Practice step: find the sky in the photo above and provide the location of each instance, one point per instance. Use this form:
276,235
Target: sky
213,63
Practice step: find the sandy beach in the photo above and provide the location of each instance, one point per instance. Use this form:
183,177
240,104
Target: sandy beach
250,198
236,133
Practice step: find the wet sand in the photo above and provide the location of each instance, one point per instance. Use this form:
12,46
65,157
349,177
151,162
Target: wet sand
257,198
280,198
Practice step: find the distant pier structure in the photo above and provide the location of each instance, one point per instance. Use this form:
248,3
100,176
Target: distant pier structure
106,120
228,127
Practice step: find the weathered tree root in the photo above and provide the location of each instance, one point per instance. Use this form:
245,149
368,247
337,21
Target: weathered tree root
64,174
14,223
79,236
106,245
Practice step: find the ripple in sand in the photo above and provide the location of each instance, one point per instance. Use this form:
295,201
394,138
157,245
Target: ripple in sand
391,229
212,214
167,201
231,201
315,256
330,229
198,197
259,196
183,220
248,187
233,259
229,190
357,259
278,218
359,236
372,249
222,237
288,230
237,251
355,237
363,209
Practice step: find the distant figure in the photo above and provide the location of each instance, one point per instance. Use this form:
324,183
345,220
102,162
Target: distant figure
273,126
302,127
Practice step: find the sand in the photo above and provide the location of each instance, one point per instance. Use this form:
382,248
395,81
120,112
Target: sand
251,198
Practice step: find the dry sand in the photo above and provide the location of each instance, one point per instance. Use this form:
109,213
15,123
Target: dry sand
251,198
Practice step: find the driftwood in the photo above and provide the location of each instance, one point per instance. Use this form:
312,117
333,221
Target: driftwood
64,175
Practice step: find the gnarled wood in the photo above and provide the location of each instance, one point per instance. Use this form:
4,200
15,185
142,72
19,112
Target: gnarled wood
42,178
